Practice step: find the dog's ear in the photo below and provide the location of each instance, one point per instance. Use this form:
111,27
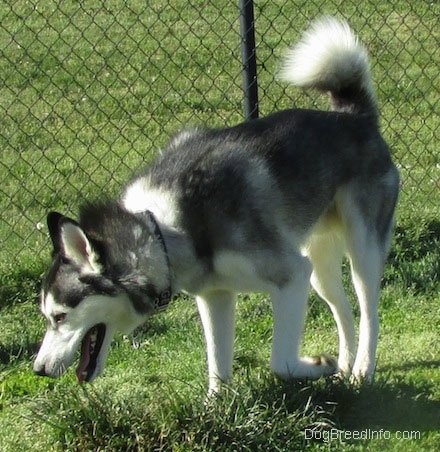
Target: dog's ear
76,247
72,243
53,223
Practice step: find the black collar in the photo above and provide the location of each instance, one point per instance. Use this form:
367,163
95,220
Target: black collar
164,298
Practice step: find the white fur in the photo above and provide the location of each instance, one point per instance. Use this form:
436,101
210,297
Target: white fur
238,273
326,251
366,266
327,55
182,137
77,248
62,340
139,197
217,311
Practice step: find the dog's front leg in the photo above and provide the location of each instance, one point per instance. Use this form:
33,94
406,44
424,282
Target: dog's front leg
289,310
217,312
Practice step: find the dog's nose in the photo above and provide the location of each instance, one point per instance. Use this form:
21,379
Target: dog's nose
40,370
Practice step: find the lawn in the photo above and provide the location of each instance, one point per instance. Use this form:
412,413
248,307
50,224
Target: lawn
89,92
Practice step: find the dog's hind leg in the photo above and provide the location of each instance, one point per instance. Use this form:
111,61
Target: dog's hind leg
289,309
369,224
217,312
326,253
366,266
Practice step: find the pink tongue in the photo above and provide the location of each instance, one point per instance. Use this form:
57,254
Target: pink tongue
85,357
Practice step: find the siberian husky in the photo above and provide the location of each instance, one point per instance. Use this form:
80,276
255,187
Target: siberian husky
268,205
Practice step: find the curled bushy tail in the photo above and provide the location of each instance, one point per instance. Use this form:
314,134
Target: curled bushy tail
329,57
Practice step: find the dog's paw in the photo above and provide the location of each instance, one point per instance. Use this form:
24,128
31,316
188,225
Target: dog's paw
325,360
325,364
312,367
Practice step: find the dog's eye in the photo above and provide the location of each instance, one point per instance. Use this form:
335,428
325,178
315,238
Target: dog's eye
59,318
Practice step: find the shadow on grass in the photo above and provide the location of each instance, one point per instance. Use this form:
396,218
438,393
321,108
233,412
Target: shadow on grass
257,411
386,404
412,365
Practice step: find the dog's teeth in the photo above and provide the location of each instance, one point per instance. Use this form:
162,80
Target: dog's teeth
93,339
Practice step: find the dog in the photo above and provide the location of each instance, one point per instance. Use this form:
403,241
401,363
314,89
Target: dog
269,205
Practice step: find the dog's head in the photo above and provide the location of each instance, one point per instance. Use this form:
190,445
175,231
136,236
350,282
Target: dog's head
83,307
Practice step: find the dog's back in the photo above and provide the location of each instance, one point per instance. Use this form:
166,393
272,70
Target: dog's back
285,167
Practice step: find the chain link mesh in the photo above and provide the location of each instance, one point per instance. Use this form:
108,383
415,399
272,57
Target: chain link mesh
90,90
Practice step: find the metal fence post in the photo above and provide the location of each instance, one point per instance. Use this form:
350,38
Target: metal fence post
248,56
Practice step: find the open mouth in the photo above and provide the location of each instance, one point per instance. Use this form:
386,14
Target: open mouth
90,348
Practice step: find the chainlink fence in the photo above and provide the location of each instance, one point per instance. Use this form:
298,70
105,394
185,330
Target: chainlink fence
89,90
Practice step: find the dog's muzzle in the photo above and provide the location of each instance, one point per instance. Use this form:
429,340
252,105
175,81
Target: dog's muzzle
50,365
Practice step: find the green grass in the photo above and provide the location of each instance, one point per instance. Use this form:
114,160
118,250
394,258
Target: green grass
89,92
154,396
